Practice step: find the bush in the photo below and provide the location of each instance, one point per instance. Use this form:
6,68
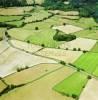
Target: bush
64,24
89,77
43,45
66,48
62,62
74,49
79,49
28,41
1,38
74,96
36,28
84,51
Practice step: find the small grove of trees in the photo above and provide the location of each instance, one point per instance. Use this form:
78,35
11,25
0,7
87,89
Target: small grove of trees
63,37
54,4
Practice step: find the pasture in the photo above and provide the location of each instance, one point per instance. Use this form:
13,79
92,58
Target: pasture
38,37
87,62
73,85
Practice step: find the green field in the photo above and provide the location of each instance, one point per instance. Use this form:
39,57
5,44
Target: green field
88,62
91,34
95,73
35,15
2,30
38,37
9,18
95,48
72,85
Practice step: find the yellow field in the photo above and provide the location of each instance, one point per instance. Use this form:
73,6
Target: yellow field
2,86
31,73
68,29
25,46
3,46
13,59
42,88
14,10
91,91
82,43
64,55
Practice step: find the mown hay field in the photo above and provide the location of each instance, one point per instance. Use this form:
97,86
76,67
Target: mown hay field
31,74
42,88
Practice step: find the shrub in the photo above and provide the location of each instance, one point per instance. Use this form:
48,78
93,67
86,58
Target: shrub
43,45
1,38
36,28
28,41
79,49
84,51
74,96
78,69
66,49
64,24
62,62
89,77
74,49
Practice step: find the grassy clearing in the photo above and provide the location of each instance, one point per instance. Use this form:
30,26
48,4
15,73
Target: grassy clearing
87,62
72,85
31,74
42,88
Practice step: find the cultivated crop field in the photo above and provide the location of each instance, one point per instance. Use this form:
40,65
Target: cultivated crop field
79,43
83,64
61,55
91,91
45,84
48,50
72,85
